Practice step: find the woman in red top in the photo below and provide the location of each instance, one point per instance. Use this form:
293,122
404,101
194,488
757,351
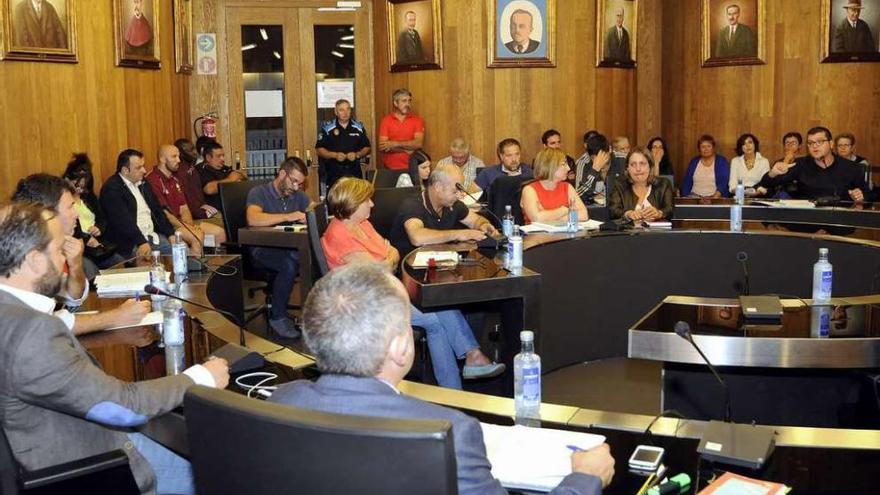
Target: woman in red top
549,198
351,238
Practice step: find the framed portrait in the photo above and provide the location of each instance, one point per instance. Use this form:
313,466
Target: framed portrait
850,30
136,33
38,32
616,22
415,38
733,32
522,33
183,37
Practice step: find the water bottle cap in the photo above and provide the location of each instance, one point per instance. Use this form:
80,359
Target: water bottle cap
507,207
527,336
823,251
156,253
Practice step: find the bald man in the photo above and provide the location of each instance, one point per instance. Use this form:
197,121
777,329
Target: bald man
172,197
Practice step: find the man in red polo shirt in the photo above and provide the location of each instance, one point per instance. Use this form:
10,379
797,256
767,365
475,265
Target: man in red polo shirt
170,193
400,132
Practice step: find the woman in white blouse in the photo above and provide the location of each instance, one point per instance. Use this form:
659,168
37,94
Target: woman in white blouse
748,166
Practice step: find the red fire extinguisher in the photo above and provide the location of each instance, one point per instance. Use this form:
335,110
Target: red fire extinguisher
206,125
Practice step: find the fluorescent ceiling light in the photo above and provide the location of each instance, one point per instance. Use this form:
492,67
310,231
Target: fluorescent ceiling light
277,55
264,34
248,47
345,45
347,37
337,54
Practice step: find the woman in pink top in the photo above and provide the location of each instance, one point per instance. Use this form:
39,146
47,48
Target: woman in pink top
549,198
351,238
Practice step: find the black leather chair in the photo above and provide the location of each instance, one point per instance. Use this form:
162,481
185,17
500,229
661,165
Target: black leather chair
316,221
386,204
103,473
507,190
241,445
385,178
233,201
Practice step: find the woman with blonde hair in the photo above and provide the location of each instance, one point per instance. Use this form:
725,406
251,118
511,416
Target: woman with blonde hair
549,198
351,238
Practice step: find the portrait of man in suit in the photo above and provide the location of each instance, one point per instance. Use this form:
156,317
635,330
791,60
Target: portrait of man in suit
522,24
853,34
617,44
409,43
37,24
735,39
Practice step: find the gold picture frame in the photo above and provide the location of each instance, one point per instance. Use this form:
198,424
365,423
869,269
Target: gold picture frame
25,38
839,46
136,33
533,22
183,36
616,47
415,35
727,41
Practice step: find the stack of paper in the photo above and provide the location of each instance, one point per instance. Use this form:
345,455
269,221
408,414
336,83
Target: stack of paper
441,258
546,227
537,459
123,283
471,199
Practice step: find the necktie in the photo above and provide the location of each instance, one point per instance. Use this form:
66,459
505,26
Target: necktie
38,6
519,49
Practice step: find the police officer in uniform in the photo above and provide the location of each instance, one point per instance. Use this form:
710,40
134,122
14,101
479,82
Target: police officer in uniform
341,146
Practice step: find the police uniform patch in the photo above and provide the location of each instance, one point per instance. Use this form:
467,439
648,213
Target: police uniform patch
335,132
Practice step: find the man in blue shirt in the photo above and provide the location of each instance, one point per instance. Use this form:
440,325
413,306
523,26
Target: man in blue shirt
509,156
280,201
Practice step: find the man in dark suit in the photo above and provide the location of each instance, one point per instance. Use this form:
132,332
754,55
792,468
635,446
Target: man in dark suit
736,40
58,405
617,47
521,27
364,353
134,216
37,25
409,44
853,35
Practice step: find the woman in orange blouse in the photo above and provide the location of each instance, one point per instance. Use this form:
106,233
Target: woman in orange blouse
351,238
549,198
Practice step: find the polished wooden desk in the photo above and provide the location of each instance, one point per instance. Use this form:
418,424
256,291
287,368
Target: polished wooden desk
276,238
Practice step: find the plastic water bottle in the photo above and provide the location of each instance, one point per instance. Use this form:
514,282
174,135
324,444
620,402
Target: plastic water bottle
820,313
178,257
527,378
175,360
823,273
507,222
736,218
172,322
158,278
740,193
572,216
516,249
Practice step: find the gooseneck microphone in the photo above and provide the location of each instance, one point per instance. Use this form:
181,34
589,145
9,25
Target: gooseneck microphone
683,330
155,291
743,258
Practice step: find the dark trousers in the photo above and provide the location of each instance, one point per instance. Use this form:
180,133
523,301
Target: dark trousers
285,264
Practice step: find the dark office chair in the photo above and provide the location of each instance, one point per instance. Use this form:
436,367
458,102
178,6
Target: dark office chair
103,473
386,178
316,221
241,445
507,190
386,204
233,201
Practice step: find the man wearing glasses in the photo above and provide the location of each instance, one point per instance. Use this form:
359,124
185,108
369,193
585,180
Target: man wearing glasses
278,202
820,174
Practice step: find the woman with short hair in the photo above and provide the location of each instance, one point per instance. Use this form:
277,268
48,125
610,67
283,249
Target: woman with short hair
643,196
748,166
549,197
708,173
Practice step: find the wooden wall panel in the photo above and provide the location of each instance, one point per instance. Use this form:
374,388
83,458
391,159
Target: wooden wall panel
793,91
50,110
486,105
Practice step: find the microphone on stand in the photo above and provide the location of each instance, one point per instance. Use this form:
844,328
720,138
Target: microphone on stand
743,257
240,358
683,330
489,241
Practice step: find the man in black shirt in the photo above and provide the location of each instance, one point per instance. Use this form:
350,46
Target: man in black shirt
214,171
341,145
437,216
822,174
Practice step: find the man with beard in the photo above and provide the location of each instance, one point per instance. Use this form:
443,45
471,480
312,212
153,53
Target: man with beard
400,132
57,195
58,405
172,197
509,154
277,202
188,176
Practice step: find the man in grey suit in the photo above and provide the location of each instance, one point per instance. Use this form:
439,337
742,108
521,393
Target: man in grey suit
853,35
617,47
356,321
56,404
409,43
735,39
521,27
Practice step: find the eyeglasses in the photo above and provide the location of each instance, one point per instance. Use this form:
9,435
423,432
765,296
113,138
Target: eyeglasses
844,145
813,144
